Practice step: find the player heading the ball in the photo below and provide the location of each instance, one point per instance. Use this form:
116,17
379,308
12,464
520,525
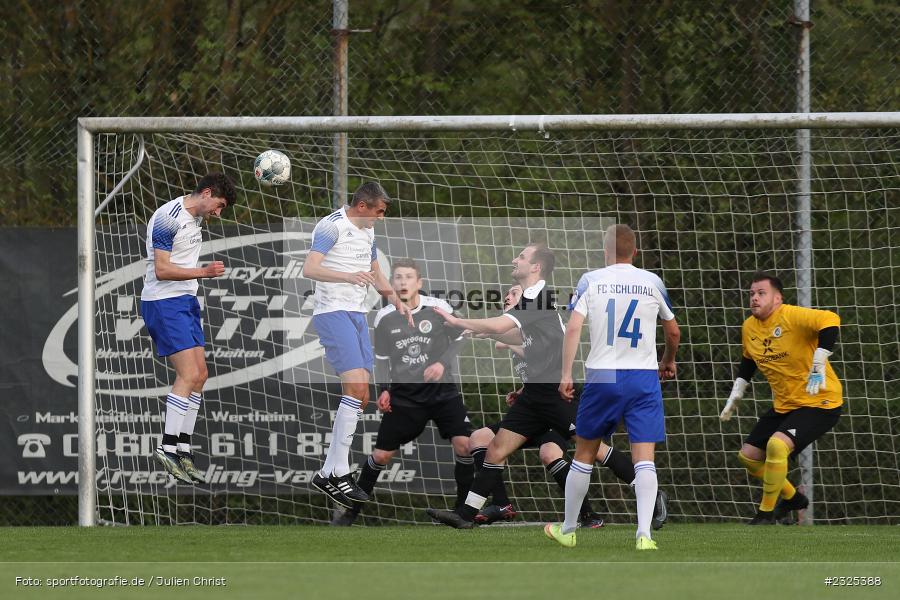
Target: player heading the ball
790,345
343,262
171,311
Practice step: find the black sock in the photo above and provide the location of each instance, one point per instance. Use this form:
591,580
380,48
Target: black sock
559,470
463,473
620,464
367,479
184,438
499,496
484,482
169,439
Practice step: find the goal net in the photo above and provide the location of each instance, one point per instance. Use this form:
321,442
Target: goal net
710,208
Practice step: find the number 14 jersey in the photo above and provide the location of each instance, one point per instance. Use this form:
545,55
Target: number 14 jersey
621,304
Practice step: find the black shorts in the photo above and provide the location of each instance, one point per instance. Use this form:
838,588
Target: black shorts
803,425
407,421
538,411
550,436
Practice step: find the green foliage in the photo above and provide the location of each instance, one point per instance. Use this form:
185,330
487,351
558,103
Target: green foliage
180,57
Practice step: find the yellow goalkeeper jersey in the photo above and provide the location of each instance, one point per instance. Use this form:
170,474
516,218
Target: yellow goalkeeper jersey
782,347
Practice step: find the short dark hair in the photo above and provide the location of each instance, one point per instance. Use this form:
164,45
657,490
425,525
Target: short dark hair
370,193
406,263
543,256
772,279
220,185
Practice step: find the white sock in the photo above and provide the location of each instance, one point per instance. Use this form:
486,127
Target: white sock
190,419
176,407
337,460
645,486
577,482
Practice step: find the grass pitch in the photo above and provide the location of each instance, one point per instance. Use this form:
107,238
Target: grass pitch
694,561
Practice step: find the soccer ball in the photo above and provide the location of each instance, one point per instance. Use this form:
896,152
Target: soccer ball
272,168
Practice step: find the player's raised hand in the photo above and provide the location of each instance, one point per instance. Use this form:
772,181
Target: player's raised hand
667,370
405,311
566,388
737,392
384,401
360,278
214,269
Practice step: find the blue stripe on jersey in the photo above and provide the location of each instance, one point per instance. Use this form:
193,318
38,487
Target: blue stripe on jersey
325,237
333,216
164,229
374,252
579,291
175,210
665,294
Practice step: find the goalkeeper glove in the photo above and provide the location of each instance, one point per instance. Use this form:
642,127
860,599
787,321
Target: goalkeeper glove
816,380
737,392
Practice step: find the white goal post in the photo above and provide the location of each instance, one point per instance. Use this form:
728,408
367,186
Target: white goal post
727,172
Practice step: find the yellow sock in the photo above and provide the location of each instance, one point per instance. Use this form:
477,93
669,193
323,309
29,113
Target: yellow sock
756,468
775,473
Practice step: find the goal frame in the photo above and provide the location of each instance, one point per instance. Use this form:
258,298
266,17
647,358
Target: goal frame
543,124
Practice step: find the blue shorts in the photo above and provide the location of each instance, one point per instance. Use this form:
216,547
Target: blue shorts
174,323
345,337
632,395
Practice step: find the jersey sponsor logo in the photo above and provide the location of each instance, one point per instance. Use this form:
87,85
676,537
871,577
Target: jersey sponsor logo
414,350
425,326
242,315
767,346
777,332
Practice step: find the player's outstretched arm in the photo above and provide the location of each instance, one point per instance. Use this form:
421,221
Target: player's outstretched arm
166,271
745,372
510,338
492,325
570,349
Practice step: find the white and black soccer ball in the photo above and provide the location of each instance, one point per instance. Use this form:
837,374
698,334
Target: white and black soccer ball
272,168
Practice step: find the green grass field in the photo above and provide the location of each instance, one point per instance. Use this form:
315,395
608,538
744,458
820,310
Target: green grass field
694,561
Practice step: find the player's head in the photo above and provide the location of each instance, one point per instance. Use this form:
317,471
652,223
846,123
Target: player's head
405,278
535,262
216,192
766,294
513,295
619,244
369,203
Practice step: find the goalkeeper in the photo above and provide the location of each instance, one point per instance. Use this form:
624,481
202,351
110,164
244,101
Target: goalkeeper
790,345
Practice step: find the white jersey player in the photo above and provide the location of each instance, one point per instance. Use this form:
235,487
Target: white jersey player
342,260
171,311
622,304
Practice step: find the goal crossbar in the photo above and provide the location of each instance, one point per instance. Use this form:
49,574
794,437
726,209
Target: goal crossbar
540,123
